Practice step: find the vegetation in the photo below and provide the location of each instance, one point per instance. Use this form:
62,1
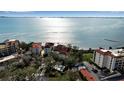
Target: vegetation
26,64
25,46
14,72
87,56
67,76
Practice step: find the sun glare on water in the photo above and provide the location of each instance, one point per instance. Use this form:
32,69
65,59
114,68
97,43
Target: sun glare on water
56,28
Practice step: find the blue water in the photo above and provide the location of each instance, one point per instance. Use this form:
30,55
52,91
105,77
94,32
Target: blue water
84,32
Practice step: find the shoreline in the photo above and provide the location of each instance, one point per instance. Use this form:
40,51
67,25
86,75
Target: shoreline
62,43
56,43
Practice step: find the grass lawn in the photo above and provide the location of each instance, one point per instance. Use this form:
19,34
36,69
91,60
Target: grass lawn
87,56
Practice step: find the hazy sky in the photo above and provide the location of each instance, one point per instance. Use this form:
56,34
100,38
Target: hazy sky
62,13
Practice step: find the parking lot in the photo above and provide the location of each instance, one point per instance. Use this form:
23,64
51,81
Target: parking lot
90,69
100,74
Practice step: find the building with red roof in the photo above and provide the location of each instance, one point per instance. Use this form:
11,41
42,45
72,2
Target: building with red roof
111,59
36,48
62,49
87,74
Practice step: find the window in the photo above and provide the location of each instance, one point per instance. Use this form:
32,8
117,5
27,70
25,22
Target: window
119,65
120,62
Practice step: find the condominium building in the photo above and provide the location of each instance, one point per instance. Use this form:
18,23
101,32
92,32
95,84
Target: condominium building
111,59
8,47
36,48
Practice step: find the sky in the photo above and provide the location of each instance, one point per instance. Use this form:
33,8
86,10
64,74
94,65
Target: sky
62,13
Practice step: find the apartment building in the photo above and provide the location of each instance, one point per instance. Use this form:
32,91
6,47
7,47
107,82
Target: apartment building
8,47
36,48
111,59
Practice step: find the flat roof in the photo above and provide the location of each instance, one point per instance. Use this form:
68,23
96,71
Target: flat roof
118,52
115,52
12,40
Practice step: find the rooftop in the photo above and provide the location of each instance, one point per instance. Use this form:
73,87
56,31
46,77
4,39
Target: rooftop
36,45
118,52
12,40
87,74
114,52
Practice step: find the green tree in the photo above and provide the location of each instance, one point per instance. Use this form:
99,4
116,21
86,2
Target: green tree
69,45
87,57
24,45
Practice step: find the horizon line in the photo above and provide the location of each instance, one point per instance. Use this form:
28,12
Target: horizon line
62,13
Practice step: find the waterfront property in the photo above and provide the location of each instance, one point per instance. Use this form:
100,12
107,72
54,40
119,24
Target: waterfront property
112,59
62,49
8,47
48,47
36,48
62,62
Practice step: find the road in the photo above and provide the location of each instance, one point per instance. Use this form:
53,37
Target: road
4,59
7,58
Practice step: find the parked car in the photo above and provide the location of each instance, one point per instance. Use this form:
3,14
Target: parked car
94,70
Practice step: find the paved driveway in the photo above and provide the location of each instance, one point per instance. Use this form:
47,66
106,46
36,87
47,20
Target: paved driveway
89,68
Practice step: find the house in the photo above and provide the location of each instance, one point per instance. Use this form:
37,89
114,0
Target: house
12,42
36,48
112,59
13,45
48,47
62,49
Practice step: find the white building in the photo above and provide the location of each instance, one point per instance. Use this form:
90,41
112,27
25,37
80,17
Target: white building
111,59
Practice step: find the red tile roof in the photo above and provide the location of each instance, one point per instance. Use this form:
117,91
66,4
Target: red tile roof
36,45
86,74
62,49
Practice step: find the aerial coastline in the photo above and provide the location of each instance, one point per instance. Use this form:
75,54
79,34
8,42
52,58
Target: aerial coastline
39,61
61,46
